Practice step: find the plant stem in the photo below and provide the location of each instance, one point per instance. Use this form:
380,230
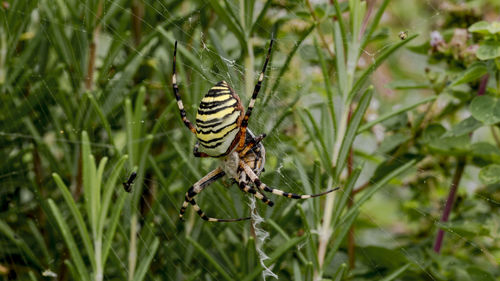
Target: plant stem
325,230
482,84
137,15
449,202
98,258
132,254
351,243
93,49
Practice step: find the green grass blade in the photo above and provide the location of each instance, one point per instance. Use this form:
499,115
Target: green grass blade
40,241
74,250
130,132
112,224
378,61
230,23
262,13
183,54
317,137
73,271
288,59
146,261
87,175
340,234
340,20
109,187
103,119
137,124
394,113
378,185
210,259
7,231
352,128
77,216
114,92
374,24
340,59
137,192
327,82
339,275
397,273
346,193
94,196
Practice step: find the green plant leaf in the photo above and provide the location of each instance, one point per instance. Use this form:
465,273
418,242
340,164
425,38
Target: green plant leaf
486,109
77,217
465,126
465,229
486,151
233,26
490,174
145,262
488,50
485,28
8,232
74,250
378,185
210,259
478,274
393,141
352,129
378,61
472,73
394,113
396,273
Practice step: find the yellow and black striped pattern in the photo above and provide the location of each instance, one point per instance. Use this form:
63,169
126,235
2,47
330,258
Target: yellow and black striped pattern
218,120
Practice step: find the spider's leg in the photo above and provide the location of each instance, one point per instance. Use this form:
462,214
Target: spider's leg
251,144
178,96
243,185
262,186
256,90
196,189
210,219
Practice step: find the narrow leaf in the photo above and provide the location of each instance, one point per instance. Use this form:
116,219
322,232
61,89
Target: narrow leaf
74,250
77,217
394,113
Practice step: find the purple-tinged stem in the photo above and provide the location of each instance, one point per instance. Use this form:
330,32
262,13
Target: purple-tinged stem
449,202
482,85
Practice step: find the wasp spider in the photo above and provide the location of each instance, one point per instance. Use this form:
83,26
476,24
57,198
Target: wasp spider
221,130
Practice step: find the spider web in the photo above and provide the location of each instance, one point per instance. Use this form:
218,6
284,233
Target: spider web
282,161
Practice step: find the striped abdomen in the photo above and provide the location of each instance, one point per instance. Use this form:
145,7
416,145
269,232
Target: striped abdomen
218,120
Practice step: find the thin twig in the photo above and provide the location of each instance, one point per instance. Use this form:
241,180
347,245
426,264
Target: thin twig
351,243
449,202
361,188
137,15
93,49
321,36
482,84
371,4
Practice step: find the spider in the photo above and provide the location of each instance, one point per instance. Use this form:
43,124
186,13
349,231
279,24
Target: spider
221,131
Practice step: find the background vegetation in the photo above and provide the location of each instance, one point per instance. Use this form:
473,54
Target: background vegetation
398,103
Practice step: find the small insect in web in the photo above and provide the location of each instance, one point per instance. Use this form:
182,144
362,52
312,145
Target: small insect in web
128,184
403,35
222,132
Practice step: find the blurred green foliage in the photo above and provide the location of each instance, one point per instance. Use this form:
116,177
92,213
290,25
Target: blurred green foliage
85,99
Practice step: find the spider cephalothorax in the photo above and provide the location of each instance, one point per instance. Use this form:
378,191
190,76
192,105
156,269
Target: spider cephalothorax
221,130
